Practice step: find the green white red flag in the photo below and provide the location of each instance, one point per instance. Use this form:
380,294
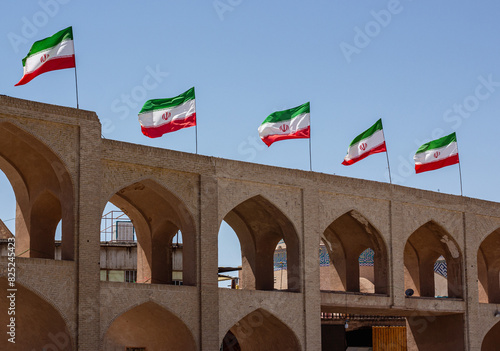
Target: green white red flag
160,116
370,142
49,54
288,124
437,154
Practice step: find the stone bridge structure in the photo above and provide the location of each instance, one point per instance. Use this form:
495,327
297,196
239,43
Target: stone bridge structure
61,169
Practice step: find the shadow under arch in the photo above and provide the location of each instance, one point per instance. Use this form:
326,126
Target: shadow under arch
43,188
260,330
157,215
260,225
424,246
38,324
151,326
492,339
488,265
345,239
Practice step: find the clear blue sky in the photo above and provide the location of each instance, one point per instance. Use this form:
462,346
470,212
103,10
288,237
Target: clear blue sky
426,68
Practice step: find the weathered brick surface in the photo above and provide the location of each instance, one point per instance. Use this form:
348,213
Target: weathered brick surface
209,188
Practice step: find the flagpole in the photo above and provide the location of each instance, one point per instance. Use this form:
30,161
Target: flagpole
76,76
310,153
460,171
196,127
387,156
76,86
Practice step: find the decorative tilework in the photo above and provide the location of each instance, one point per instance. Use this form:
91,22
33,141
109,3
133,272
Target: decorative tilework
365,259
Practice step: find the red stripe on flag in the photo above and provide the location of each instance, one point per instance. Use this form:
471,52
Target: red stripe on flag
156,132
300,134
50,65
437,164
376,150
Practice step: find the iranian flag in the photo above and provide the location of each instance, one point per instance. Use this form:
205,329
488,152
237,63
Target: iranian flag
160,116
369,142
289,124
437,154
50,54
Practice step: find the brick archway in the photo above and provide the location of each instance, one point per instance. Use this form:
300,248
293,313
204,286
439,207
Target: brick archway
151,326
157,215
488,265
345,239
422,249
38,325
260,225
260,330
44,193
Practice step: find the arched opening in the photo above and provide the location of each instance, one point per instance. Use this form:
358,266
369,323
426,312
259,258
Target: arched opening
7,209
151,327
348,240
159,230
280,267
260,226
43,191
367,271
229,257
492,339
423,248
38,325
440,278
488,263
260,330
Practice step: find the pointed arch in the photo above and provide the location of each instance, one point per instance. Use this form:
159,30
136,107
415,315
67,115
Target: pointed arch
346,238
491,339
422,249
39,322
488,263
151,326
35,171
260,225
157,215
257,331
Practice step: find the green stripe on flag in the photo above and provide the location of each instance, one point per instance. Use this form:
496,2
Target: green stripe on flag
285,115
368,133
438,143
160,104
50,42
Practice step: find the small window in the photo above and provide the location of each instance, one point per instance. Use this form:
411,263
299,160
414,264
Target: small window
130,276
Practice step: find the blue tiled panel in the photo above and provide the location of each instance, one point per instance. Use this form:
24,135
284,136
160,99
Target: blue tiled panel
324,258
441,268
365,259
279,259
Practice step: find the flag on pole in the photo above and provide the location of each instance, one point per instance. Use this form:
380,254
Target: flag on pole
288,124
49,54
369,142
160,116
437,154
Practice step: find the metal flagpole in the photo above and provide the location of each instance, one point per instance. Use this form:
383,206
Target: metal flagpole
310,158
387,156
460,171
196,127
76,77
310,153
76,86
